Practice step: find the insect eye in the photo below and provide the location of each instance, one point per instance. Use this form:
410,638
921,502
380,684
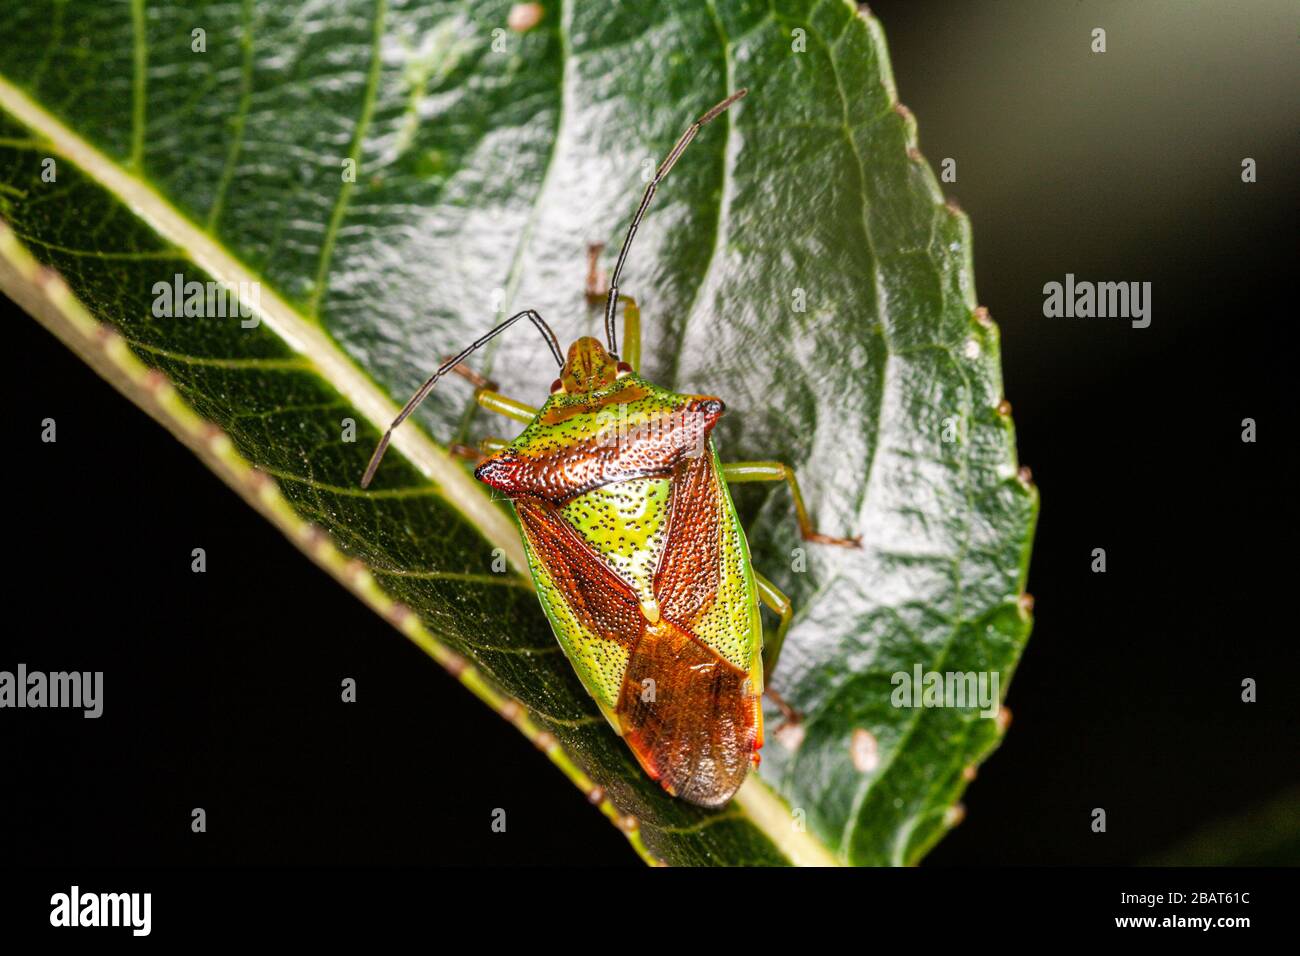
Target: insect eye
557,386
624,368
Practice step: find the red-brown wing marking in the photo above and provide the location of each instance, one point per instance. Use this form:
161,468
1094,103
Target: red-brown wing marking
686,583
691,718
697,731
599,598
558,471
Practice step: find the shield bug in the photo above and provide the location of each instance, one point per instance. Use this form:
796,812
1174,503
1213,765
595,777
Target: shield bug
633,542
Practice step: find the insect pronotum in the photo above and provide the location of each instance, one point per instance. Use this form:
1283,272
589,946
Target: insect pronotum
632,539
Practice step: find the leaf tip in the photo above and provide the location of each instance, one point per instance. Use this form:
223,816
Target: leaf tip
1003,719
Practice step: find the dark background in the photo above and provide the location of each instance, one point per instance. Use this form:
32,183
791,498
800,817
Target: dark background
1123,166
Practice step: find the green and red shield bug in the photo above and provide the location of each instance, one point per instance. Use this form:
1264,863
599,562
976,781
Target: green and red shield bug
634,545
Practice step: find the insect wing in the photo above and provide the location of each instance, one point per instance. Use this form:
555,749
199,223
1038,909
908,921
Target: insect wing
595,615
699,732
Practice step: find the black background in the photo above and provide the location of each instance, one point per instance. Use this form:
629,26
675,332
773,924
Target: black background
1123,167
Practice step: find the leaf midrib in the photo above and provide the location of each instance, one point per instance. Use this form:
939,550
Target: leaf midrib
298,333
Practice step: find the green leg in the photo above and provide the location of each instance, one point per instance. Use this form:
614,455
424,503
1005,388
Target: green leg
774,599
631,332
496,402
598,289
486,447
776,471
486,394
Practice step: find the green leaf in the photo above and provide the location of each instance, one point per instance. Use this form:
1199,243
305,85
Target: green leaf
800,262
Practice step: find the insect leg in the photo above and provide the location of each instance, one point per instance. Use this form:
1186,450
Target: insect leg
598,288
776,471
486,447
496,402
774,600
597,281
631,332
477,380
488,396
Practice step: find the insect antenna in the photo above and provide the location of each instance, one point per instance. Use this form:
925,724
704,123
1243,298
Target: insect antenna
446,367
669,161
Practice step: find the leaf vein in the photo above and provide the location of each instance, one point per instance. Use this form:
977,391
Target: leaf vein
241,116
368,98
724,201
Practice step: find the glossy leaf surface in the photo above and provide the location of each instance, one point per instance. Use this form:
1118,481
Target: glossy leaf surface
800,262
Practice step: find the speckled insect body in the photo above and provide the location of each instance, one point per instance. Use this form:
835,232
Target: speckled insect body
633,542
642,568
